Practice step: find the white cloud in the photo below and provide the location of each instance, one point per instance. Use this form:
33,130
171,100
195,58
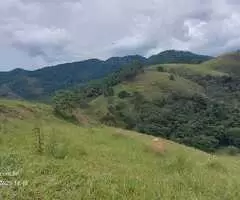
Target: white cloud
39,41
47,32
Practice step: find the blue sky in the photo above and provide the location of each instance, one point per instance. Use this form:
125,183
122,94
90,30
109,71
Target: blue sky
36,33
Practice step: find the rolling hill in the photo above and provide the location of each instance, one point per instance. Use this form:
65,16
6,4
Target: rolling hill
197,105
227,64
124,136
54,159
41,84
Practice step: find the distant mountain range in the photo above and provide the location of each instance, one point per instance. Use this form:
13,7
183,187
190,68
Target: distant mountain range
42,83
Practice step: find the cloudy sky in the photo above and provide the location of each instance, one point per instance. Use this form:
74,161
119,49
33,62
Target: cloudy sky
35,33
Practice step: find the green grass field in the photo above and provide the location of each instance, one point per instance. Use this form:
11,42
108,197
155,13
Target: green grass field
103,163
227,64
191,69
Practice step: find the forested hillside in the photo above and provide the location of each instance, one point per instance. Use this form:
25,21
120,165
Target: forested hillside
41,84
173,56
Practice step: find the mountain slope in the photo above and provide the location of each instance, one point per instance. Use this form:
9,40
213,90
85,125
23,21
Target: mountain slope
224,65
228,63
196,105
42,83
50,79
219,76
103,163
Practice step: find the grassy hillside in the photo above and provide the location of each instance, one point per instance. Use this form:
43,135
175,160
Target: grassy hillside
99,162
228,63
190,69
219,76
197,105
152,85
225,65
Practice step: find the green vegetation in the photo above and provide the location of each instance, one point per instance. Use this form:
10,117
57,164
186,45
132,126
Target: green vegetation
43,83
228,63
172,56
66,151
66,101
197,105
85,162
189,69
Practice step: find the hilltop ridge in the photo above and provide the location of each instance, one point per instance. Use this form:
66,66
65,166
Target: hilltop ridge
42,83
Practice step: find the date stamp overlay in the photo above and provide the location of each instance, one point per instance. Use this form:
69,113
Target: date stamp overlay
10,178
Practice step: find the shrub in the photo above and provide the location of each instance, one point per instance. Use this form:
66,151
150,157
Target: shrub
172,77
234,136
108,119
123,94
64,114
160,69
57,148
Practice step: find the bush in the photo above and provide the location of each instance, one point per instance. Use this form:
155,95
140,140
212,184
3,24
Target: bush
172,77
234,136
123,94
68,116
108,119
57,148
160,69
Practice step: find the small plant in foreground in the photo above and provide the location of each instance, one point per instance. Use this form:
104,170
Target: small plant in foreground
160,69
39,145
172,77
57,149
